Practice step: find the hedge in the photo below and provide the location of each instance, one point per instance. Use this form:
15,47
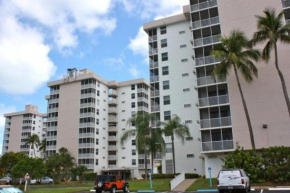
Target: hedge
89,176
163,176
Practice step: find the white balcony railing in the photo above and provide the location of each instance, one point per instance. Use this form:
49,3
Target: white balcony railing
112,101
112,147
112,110
112,92
112,138
27,118
142,166
112,166
154,78
89,166
142,99
208,80
50,119
26,124
218,145
51,110
51,101
207,40
5,138
152,38
85,105
155,93
54,92
25,149
112,119
91,124
112,157
216,100
51,147
90,114
205,22
26,130
153,51
88,95
203,5
86,145
112,128
142,108
86,155
92,135
142,90
285,4
51,128
7,125
85,86
53,137
155,108
206,60
215,122
153,64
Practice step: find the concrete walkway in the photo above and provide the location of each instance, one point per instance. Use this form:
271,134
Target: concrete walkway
183,185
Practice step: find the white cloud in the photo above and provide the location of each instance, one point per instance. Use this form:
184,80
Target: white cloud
134,71
116,64
3,110
139,45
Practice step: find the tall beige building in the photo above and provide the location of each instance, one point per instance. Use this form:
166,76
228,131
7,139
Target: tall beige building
19,126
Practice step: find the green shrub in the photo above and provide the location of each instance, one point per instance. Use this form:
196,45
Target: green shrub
89,176
163,176
56,181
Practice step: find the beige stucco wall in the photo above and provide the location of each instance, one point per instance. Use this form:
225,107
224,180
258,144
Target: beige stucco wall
15,133
68,117
264,96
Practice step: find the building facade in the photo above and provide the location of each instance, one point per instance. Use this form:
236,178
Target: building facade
88,114
179,54
19,126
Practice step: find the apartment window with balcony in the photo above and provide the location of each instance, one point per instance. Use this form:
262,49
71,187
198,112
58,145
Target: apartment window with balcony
183,46
184,60
166,85
133,162
186,90
134,142
133,151
166,100
163,43
167,115
132,87
165,70
132,95
185,74
97,162
133,105
181,32
164,56
163,30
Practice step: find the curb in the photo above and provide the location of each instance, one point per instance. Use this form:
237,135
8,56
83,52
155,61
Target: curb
207,190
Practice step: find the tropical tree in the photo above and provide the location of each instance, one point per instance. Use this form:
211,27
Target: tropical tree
8,160
271,29
156,144
144,135
78,171
42,147
66,160
235,52
33,142
173,128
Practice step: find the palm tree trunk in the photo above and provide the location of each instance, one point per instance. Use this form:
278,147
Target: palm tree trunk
246,109
146,171
173,153
282,80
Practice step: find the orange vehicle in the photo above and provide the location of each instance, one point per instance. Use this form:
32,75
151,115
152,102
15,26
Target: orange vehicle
110,183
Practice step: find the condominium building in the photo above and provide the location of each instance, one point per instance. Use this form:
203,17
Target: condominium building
88,114
19,126
181,66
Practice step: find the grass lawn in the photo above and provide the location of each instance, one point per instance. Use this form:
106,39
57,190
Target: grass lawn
202,184
158,185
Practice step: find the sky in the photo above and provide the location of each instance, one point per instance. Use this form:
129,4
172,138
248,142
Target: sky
40,39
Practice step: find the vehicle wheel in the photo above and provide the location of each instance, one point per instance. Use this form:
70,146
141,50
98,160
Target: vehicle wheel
126,189
221,191
249,189
113,189
98,191
50,183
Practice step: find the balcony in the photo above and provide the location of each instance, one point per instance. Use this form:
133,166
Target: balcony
158,155
86,145
89,166
5,138
90,114
27,124
155,108
52,101
88,95
27,118
154,93
142,166
5,143
211,101
6,131
26,149
142,99
86,155
206,60
154,78
215,122
217,145
92,135
51,128
287,21
112,119
54,92
112,148
112,138
7,125
205,22
52,137
285,4
152,38
204,5
142,108
112,166
142,90
113,93
112,157
85,86
52,110
207,41
153,64
153,51
51,119
85,105
113,128
112,110
26,130
208,80
51,147
90,124
113,102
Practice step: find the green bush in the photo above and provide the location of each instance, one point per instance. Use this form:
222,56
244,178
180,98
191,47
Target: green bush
89,176
56,181
163,176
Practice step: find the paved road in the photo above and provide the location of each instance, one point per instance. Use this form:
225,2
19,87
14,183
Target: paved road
256,191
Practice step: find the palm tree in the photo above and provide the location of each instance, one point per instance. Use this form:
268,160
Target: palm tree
271,30
42,147
33,141
235,52
172,128
156,144
144,134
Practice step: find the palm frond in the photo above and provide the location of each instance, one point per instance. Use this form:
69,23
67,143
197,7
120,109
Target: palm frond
126,135
222,70
266,52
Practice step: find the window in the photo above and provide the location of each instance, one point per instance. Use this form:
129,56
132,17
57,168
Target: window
186,90
132,87
189,138
98,111
133,151
185,74
183,46
166,100
123,111
184,60
123,147
97,162
163,43
98,93
97,121
167,115
123,120
97,141
133,105
97,131
133,142
132,95
123,157
187,105
123,101
165,70
188,121
97,151
163,30
133,162
166,85
168,148
164,56
190,155
123,93
181,32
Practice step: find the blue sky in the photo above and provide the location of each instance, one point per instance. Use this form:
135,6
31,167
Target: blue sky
40,39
